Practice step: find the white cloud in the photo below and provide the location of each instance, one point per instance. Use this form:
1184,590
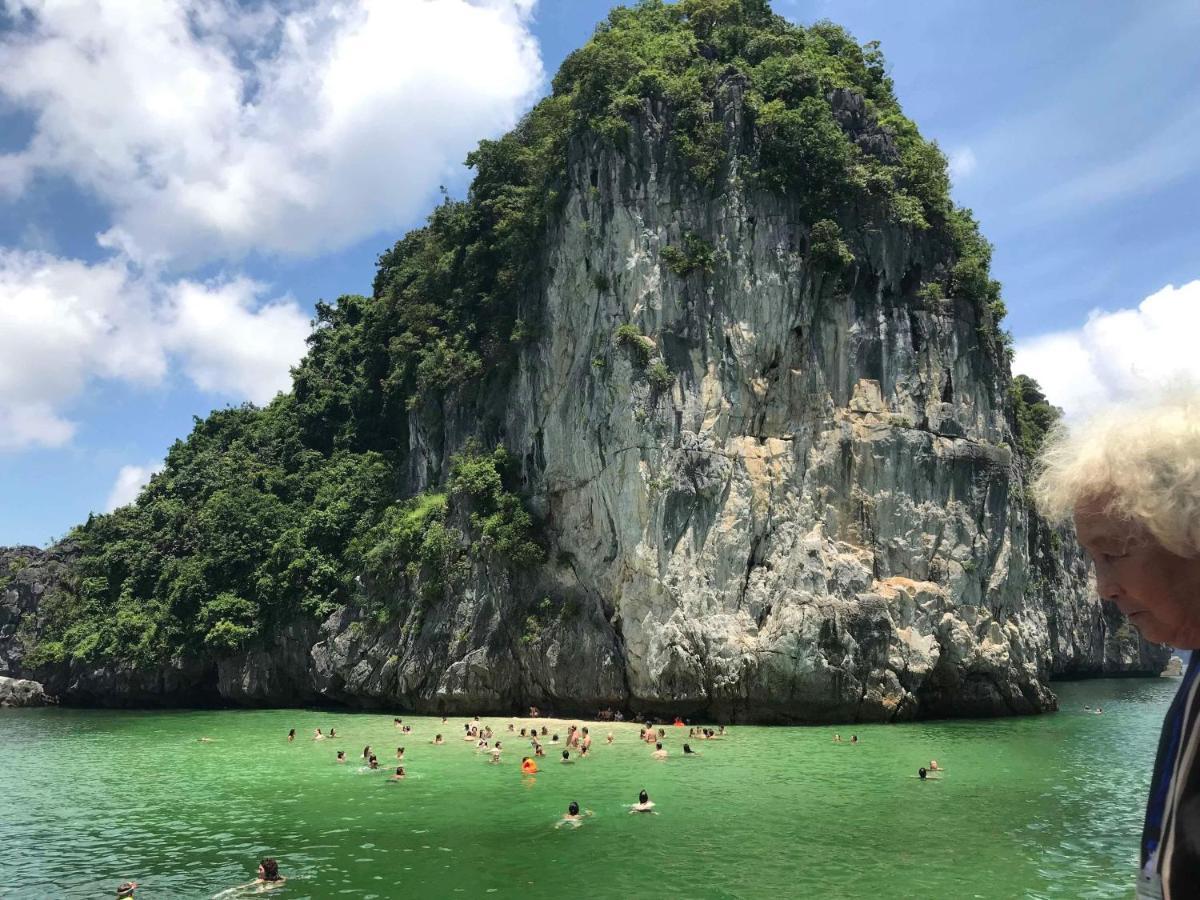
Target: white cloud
230,344
29,424
213,128
64,323
1118,355
962,163
129,483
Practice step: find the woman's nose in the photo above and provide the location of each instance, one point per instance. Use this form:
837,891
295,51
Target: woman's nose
1106,585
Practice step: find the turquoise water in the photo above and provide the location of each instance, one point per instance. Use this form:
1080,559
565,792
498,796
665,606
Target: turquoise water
1047,806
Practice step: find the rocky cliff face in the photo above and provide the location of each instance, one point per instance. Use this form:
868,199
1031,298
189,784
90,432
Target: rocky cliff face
793,498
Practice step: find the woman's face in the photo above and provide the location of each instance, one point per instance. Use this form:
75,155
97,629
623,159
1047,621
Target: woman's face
1158,590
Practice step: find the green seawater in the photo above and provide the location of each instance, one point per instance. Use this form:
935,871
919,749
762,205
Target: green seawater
1047,806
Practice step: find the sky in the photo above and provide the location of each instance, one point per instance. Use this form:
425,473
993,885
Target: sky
181,181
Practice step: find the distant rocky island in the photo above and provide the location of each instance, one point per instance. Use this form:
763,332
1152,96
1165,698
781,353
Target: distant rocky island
698,404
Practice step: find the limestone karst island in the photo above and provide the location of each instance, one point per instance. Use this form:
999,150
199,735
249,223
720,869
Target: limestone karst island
695,411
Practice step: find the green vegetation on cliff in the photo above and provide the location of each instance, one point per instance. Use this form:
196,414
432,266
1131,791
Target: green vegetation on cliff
264,515
1033,414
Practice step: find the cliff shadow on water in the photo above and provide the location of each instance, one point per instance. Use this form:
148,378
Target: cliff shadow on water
698,404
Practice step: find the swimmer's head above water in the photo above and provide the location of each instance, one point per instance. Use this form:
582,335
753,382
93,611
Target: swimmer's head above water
573,808
268,870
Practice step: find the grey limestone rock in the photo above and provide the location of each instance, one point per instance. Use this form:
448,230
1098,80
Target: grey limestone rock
19,692
818,516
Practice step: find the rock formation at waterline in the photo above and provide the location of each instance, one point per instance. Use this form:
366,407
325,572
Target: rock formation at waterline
769,453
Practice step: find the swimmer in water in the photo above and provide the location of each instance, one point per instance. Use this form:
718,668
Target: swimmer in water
341,757
396,723
854,738
528,766
495,753
373,762
573,816
291,735
688,751
659,752
554,739
437,739
400,754
644,804
333,732
609,740
567,758
399,776
925,776
837,738
583,752
318,736
933,766
126,890
268,873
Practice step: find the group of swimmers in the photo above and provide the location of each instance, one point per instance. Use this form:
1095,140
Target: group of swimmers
317,735
577,745
574,816
578,739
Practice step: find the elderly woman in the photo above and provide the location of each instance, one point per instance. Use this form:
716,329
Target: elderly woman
1130,478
